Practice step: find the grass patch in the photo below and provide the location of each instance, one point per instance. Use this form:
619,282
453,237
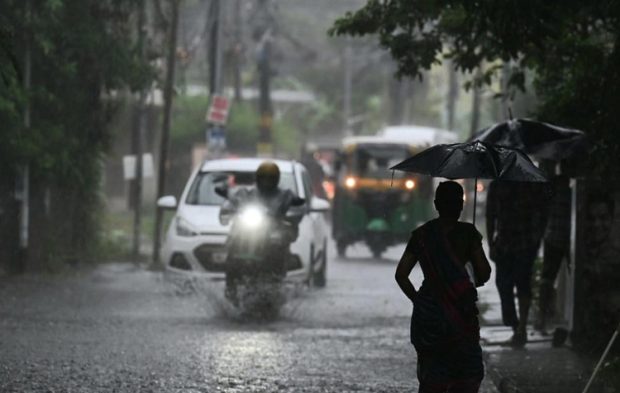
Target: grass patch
116,240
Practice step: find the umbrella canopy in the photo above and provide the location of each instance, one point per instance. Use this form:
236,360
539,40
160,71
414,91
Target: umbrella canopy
473,160
541,140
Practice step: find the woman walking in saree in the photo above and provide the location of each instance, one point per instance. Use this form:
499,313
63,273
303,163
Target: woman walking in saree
444,325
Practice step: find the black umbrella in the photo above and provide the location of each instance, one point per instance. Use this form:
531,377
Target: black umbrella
541,140
473,160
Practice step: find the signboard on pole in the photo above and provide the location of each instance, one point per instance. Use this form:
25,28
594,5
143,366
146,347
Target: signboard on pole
218,110
216,138
129,166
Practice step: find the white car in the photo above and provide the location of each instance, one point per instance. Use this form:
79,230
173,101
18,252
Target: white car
195,241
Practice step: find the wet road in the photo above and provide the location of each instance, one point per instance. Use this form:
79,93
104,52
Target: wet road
118,329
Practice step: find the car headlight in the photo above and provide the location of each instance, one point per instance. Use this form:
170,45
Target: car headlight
252,217
184,228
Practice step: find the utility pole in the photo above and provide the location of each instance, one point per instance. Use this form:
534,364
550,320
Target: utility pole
346,97
215,48
265,143
165,130
507,97
452,96
24,189
475,108
138,137
215,132
396,91
237,50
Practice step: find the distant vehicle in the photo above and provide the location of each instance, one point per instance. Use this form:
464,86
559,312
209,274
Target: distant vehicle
371,203
195,241
418,136
422,137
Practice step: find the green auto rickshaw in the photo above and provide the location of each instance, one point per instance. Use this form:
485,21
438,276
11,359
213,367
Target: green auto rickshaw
371,203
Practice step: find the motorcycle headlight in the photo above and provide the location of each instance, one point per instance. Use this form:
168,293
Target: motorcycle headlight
184,228
252,217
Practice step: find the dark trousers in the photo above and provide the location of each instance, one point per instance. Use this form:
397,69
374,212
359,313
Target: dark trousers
552,262
513,271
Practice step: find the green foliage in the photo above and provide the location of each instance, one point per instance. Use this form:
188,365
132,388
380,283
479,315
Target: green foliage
115,243
286,138
243,128
188,124
188,127
82,52
188,118
572,47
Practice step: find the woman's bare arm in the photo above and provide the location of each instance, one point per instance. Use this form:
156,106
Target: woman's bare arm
481,265
405,265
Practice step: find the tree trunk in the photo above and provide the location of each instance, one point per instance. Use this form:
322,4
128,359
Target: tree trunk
165,131
475,107
397,101
138,138
9,222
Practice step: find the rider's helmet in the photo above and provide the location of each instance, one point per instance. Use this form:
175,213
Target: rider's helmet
267,177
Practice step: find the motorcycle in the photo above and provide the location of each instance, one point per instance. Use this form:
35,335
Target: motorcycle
258,249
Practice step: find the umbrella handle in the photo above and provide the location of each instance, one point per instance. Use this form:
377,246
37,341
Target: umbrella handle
475,198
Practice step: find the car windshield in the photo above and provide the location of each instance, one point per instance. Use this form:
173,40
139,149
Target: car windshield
375,160
202,191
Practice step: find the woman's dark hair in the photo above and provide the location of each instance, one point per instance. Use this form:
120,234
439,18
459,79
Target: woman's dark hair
449,199
448,191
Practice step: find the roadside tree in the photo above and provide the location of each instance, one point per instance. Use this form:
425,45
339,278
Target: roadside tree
80,58
571,49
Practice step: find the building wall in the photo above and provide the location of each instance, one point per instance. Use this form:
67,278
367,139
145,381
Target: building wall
597,265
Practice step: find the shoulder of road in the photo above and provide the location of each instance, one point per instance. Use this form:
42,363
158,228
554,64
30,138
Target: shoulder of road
539,367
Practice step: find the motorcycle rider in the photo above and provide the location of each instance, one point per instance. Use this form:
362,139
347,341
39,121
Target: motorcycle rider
276,200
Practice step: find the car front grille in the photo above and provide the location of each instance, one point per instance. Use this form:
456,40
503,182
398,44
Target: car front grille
211,257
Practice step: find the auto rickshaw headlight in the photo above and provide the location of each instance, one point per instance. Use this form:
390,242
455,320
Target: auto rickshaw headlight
350,182
410,184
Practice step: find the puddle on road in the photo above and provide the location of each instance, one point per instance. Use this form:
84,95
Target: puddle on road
208,296
357,294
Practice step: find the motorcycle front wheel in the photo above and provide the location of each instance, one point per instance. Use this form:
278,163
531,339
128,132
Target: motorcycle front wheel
261,298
